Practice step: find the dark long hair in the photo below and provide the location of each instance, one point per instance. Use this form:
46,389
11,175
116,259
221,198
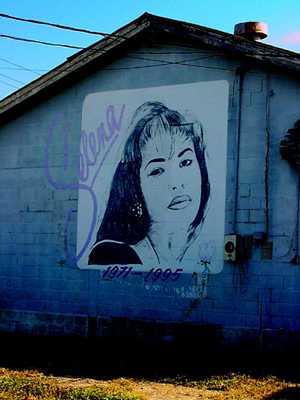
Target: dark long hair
126,218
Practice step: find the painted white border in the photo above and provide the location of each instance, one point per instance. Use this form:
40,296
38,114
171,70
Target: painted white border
208,102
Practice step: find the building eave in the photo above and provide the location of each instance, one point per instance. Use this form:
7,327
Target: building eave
155,26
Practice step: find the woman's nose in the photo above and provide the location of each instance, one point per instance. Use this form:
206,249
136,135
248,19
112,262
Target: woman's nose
176,186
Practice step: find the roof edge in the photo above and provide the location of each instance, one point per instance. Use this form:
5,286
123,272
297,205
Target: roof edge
75,62
165,27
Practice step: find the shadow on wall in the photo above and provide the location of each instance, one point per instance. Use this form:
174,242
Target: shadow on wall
285,394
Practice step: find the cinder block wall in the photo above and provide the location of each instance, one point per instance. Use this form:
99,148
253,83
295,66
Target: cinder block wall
43,291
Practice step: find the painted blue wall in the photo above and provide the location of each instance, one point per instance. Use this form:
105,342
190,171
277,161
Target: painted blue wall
39,279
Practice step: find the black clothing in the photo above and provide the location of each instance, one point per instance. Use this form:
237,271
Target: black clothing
109,252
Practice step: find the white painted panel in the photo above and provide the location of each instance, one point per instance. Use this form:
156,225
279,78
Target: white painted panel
141,178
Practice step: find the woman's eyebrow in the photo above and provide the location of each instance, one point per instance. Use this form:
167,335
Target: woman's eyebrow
184,151
155,160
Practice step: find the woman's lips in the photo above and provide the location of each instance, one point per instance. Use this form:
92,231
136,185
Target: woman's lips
180,202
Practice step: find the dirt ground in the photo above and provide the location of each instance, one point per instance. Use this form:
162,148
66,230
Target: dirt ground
238,387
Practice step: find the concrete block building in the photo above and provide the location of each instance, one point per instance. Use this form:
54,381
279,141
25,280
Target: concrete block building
150,184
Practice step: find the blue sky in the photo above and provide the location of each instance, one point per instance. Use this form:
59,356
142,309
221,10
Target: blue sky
282,17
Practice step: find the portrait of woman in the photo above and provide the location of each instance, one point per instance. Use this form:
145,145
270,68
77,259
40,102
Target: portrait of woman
159,192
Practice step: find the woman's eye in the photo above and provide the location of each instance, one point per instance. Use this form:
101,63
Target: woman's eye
156,172
185,163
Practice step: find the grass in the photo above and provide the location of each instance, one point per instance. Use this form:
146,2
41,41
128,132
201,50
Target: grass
34,385
222,382
240,386
30,385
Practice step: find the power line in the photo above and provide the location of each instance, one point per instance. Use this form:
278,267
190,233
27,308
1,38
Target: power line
8,84
158,63
20,67
71,28
41,42
162,64
36,71
82,30
90,32
97,50
12,79
179,52
175,62
59,26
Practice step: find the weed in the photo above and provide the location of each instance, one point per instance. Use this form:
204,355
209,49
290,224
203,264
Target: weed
30,386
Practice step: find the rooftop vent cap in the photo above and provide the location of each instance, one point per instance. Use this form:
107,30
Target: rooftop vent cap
252,30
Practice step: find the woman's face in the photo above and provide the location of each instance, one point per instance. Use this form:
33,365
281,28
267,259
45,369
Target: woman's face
171,179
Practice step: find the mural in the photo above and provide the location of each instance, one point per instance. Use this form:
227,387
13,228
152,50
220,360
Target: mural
155,160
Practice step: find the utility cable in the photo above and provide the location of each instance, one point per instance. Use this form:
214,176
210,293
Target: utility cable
15,68
158,62
8,84
82,30
12,79
42,42
59,26
88,31
164,63
19,66
173,62
119,36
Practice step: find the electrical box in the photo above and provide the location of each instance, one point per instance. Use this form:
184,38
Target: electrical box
231,250
237,248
